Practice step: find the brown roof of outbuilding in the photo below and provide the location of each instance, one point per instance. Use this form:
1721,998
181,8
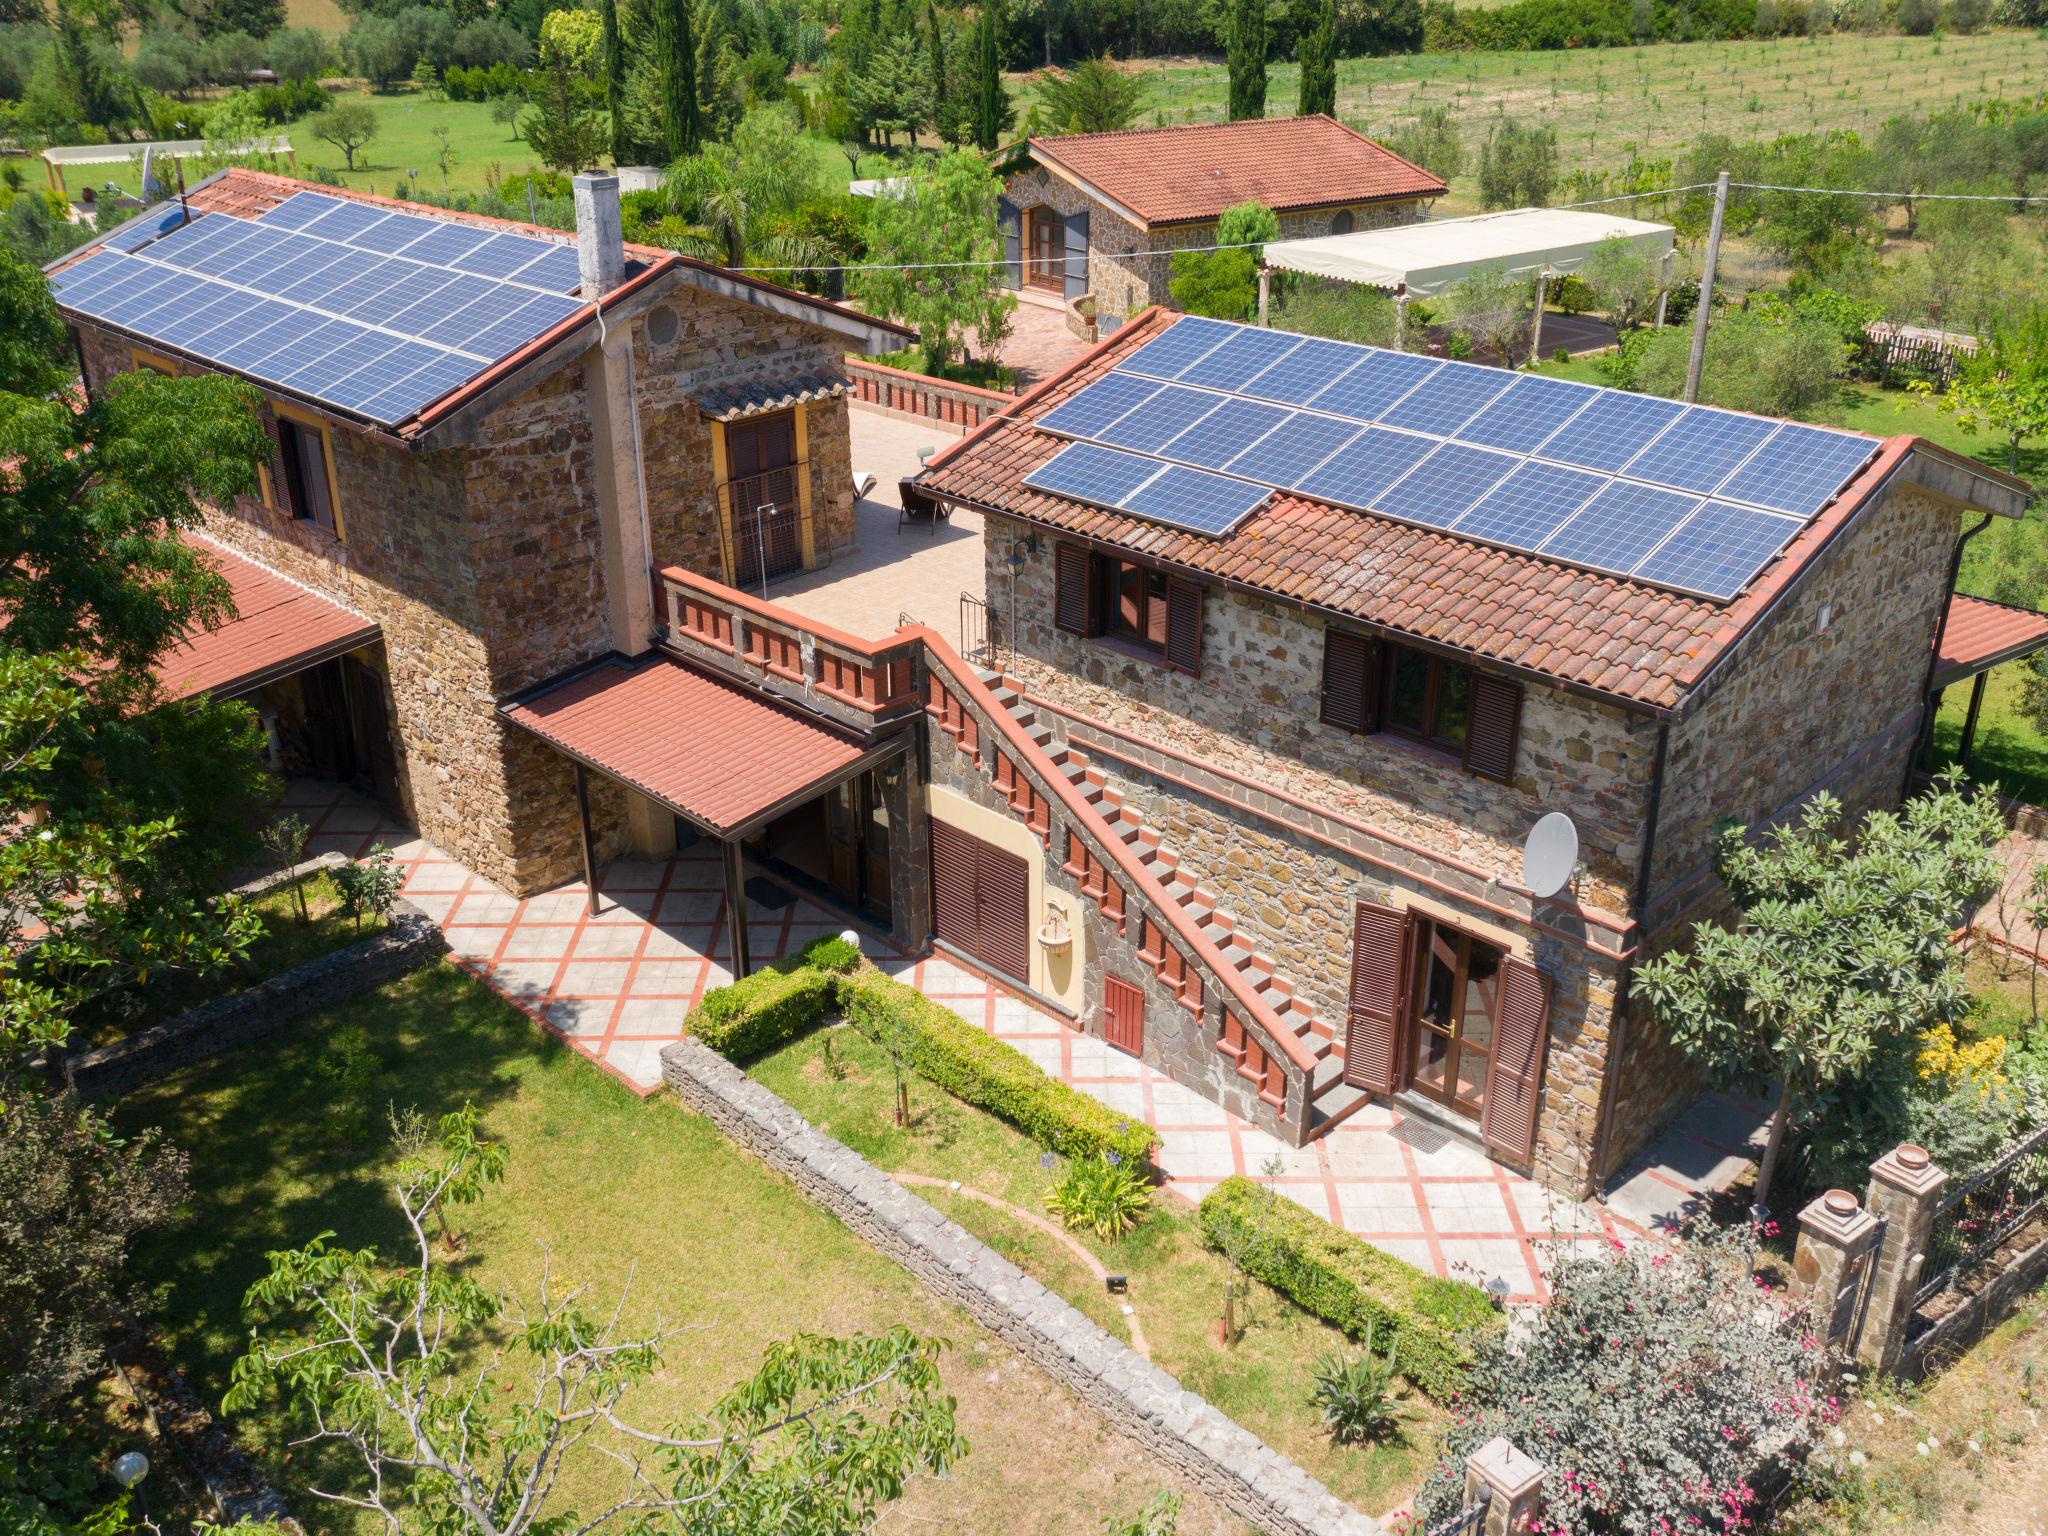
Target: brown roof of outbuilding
718,753
1193,172
1979,634
279,628
1639,645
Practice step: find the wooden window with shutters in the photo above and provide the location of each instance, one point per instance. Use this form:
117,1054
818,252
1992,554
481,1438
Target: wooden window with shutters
1137,607
1350,681
1123,1015
1492,725
1382,945
1073,589
980,901
1514,1081
302,484
1184,626
1373,686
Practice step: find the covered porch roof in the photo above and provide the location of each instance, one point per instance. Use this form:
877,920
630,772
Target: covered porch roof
723,757
279,628
1429,257
1980,634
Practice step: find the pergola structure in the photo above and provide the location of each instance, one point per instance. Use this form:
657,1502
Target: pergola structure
1418,260
725,759
1978,635
60,158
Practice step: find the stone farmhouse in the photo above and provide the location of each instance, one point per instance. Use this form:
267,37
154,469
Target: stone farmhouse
1242,789
1100,213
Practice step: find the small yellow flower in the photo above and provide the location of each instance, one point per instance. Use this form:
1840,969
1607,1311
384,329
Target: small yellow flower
1944,1059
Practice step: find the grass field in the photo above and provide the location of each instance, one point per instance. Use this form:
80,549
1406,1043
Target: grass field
612,1191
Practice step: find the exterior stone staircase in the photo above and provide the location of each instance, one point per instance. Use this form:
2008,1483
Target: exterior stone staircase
1331,1099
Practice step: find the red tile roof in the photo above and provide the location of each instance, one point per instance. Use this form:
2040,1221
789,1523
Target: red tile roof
1980,634
1639,645
718,753
279,628
1194,172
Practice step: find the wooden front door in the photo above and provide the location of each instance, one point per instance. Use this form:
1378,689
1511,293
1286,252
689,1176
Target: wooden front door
763,500
981,901
376,761
1457,998
1044,266
1123,1015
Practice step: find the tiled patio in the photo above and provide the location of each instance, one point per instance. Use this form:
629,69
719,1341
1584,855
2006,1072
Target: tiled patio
617,985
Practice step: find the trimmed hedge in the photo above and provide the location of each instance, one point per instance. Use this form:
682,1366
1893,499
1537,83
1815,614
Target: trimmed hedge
1347,1282
938,1045
829,952
759,1012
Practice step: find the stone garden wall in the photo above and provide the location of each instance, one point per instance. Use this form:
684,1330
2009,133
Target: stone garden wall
1219,1456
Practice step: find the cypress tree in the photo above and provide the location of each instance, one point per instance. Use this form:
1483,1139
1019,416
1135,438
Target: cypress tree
681,129
935,41
1319,63
1247,58
991,101
614,80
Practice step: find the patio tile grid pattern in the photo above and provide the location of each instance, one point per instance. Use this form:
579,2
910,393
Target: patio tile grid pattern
616,986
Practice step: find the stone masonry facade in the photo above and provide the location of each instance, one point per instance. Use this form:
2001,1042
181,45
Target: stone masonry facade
1129,267
1290,822
481,561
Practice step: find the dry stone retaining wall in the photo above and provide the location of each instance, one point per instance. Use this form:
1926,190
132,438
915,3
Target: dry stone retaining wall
1223,1459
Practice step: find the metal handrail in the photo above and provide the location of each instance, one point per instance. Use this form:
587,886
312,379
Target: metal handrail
1466,1520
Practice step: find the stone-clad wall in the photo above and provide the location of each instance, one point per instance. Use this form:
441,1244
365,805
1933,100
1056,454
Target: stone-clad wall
1122,280
1134,1396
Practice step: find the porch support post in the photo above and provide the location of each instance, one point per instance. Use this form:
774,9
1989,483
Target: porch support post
1969,742
1536,324
1265,293
736,910
1664,286
1400,315
583,829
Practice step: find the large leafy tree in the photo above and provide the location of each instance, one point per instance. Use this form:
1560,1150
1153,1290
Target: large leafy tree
1319,62
559,125
1224,283
737,204
894,93
1246,58
2003,385
1839,953
1517,165
941,235
1092,97
380,1360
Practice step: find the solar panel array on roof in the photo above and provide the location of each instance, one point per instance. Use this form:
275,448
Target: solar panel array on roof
372,311
1172,494
1680,496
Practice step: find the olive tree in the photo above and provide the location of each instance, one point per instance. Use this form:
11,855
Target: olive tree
945,261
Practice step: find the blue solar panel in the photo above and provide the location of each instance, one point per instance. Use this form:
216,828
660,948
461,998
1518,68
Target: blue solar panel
319,282
499,256
1292,449
1719,550
402,290
1357,473
1610,431
1367,391
1448,398
165,285
1238,359
1530,505
197,245
341,357
215,307
1195,500
1221,436
1098,405
1620,526
447,242
396,401
1305,371
1147,426
558,270
147,225
344,221
257,315
395,234
537,314
1799,470
1444,486
1700,450
299,210
461,323
83,281
1178,346
257,343
254,260
1088,473
294,350
1531,410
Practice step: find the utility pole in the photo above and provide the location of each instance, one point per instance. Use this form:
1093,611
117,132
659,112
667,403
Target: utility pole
1706,299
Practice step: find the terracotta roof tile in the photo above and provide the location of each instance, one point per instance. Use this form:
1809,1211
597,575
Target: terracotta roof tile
717,752
1980,634
1640,645
1195,171
279,628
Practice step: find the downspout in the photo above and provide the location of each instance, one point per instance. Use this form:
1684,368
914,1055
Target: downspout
1617,1028
1923,739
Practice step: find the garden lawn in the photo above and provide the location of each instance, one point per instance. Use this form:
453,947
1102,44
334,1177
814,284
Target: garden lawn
843,1083
285,943
612,1191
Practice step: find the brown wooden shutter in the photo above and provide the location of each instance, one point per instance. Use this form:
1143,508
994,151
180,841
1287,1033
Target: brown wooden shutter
1002,899
953,879
1123,1015
1073,608
280,482
1382,940
1514,1082
1350,670
1492,724
1184,626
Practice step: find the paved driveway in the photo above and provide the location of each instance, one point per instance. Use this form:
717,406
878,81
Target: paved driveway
616,987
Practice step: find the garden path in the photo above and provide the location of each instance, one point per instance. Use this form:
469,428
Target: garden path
616,986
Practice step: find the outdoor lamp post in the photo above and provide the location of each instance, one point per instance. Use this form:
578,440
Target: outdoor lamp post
130,1468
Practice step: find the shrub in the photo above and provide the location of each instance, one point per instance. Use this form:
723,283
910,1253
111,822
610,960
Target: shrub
1657,1388
830,952
754,1015
979,1069
368,886
1347,1282
1355,1394
1105,1195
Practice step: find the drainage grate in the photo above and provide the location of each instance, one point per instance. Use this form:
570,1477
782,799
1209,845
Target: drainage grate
1420,1135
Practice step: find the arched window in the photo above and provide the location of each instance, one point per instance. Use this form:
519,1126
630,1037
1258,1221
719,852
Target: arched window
1340,223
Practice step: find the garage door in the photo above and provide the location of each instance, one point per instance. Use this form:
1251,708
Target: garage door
981,901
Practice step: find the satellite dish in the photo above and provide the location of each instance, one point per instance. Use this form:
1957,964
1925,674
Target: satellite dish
1550,854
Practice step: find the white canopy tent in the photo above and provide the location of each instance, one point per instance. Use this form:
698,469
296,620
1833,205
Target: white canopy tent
1418,260
61,157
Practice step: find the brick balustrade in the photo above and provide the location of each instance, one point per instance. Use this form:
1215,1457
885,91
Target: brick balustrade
917,394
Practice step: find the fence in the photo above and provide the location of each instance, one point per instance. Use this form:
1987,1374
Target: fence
917,394
1892,352
1467,1521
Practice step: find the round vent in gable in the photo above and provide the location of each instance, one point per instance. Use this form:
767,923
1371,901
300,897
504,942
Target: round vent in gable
663,327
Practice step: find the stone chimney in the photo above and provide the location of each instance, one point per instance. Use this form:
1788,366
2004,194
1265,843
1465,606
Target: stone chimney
600,236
